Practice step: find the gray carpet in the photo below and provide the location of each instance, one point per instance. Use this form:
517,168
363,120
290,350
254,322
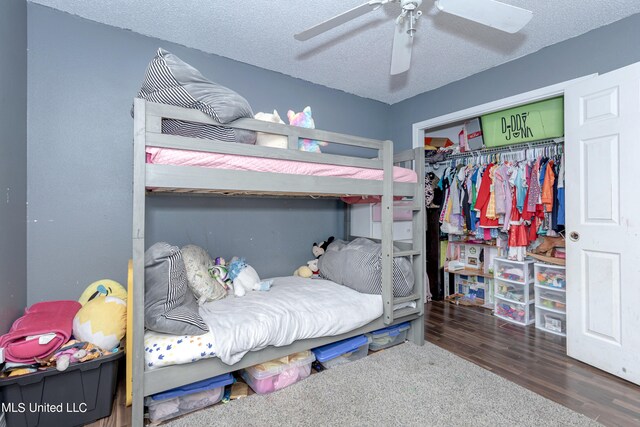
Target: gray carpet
405,385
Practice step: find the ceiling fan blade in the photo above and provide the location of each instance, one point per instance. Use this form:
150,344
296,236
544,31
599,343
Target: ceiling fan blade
338,20
501,16
401,51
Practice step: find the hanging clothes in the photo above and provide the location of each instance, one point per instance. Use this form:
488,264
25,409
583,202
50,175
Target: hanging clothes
547,187
482,201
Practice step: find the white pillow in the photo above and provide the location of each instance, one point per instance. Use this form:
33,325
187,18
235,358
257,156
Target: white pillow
197,262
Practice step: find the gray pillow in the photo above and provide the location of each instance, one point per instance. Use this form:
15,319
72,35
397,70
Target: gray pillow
169,305
169,80
358,265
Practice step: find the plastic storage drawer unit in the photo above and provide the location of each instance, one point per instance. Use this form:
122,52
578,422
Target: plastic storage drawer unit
279,373
550,276
341,352
515,271
387,337
522,314
182,400
555,323
81,394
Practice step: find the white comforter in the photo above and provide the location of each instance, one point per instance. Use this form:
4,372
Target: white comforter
293,309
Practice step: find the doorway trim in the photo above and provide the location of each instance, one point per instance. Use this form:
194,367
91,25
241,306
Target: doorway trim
493,106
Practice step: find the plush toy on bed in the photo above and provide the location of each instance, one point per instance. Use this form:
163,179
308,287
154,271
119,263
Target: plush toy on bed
220,272
319,249
309,270
270,139
245,278
305,120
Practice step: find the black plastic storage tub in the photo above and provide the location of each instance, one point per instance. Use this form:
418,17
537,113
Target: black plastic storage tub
81,394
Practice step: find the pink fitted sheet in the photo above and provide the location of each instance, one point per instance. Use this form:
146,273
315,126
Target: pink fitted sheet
169,156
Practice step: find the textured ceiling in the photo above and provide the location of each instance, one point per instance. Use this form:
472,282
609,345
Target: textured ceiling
355,57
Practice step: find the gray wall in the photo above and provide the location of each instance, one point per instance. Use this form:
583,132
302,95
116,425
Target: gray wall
598,51
13,160
82,79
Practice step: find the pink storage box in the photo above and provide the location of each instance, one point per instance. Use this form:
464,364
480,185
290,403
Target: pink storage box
280,373
401,212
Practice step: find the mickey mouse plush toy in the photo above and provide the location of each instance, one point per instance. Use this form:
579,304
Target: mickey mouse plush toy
319,249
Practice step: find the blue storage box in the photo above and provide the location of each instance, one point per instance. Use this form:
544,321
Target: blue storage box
188,398
390,336
341,352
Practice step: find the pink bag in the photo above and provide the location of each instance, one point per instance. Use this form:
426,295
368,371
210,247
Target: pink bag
53,320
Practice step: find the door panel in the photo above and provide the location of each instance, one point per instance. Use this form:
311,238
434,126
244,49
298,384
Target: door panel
602,188
602,295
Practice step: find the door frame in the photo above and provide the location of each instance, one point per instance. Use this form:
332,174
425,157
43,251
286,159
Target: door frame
493,106
440,290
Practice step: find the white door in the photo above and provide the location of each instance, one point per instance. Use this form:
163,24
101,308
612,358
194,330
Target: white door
602,127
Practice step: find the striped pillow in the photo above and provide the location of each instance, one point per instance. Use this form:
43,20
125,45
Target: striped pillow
169,304
169,80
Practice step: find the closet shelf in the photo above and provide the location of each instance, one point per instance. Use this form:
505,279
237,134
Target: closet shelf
504,148
470,272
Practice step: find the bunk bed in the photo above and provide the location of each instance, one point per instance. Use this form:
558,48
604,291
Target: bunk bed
153,177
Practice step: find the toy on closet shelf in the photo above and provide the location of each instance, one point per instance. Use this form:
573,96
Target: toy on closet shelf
245,278
304,119
270,139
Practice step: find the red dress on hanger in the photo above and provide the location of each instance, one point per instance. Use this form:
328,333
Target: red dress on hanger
517,231
482,201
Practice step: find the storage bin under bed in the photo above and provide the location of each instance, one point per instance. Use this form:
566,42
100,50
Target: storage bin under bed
183,400
279,373
341,352
388,337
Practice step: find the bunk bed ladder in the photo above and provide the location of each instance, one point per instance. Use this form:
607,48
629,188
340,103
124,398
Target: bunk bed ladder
415,251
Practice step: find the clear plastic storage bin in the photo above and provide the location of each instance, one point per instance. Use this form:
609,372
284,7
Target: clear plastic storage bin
514,271
550,276
341,352
182,400
551,300
388,337
516,292
551,321
279,373
521,314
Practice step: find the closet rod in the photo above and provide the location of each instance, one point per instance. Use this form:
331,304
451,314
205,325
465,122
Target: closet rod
505,148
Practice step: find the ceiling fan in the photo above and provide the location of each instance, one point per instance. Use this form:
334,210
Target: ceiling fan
492,13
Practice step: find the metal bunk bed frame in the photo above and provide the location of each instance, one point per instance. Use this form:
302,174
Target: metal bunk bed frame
148,131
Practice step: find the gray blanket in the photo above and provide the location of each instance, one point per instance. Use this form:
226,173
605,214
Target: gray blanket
358,265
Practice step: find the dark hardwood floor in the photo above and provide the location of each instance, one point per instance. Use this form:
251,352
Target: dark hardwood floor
529,357
533,359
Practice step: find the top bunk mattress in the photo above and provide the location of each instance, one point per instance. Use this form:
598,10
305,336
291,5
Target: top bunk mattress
170,156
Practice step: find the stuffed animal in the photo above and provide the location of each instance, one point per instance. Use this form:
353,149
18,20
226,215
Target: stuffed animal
220,272
303,271
197,264
65,358
309,270
245,278
319,249
102,322
104,287
305,120
270,139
